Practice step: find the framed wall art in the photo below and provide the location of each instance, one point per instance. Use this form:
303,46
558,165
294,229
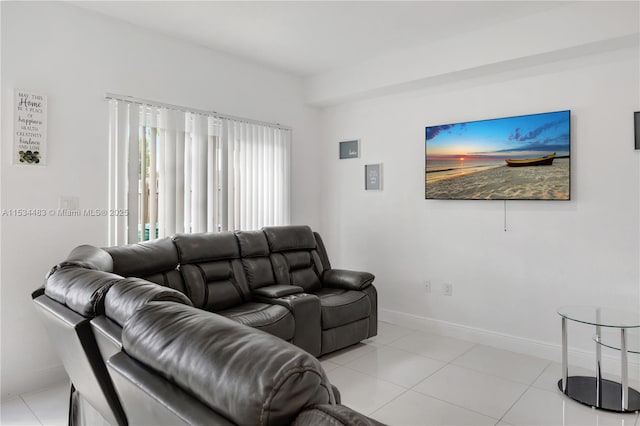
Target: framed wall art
30,129
349,149
636,116
373,177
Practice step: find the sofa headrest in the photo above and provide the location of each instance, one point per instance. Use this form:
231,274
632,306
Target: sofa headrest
252,243
248,376
80,289
88,257
127,295
206,247
293,237
145,258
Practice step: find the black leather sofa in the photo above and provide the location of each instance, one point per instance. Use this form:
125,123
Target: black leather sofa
219,372
277,281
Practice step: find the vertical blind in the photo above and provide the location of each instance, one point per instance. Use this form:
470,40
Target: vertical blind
174,171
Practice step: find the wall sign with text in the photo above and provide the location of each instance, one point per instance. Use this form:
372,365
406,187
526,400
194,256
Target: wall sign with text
30,129
350,149
373,176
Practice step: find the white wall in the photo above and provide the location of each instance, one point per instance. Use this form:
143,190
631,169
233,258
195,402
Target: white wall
506,285
562,30
75,57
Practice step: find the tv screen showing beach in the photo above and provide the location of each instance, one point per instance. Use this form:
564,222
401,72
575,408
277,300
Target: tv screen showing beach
513,158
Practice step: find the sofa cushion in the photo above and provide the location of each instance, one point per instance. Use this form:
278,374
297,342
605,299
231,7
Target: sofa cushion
305,277
211,269
91,257
297,268
249,377
88,257
145,258
252,243
127,295
293,237
215,286
340,307
294,257
80,289
155,261
172,279
272,319
254,251
259,272
211,246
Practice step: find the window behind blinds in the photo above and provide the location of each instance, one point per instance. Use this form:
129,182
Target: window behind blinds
178,171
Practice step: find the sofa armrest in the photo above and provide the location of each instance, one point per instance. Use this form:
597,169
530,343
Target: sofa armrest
273,291
348,280
333,414
305,309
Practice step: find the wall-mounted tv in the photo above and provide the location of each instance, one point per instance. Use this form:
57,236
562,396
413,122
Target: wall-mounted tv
514,158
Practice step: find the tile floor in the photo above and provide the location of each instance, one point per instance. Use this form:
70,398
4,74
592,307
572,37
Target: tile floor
406,377
42,407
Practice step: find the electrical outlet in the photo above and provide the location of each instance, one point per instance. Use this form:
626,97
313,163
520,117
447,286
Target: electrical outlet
427,286
69,202
447,289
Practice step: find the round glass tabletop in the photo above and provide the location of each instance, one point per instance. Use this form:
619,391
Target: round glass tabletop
603,317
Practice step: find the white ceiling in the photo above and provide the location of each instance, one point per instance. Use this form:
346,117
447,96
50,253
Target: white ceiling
311,37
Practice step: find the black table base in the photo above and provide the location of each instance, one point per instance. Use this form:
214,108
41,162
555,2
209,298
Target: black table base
583,390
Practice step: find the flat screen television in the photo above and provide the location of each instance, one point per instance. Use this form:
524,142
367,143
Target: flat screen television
513,158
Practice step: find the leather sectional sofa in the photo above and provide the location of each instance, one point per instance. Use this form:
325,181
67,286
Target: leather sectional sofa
193,329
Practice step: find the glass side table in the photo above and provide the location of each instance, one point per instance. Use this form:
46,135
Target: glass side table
596,391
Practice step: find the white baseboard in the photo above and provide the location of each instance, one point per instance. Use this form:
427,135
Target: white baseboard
37,380
550,351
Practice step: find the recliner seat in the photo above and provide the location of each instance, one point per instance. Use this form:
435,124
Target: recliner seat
264,287
216,282
348,300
